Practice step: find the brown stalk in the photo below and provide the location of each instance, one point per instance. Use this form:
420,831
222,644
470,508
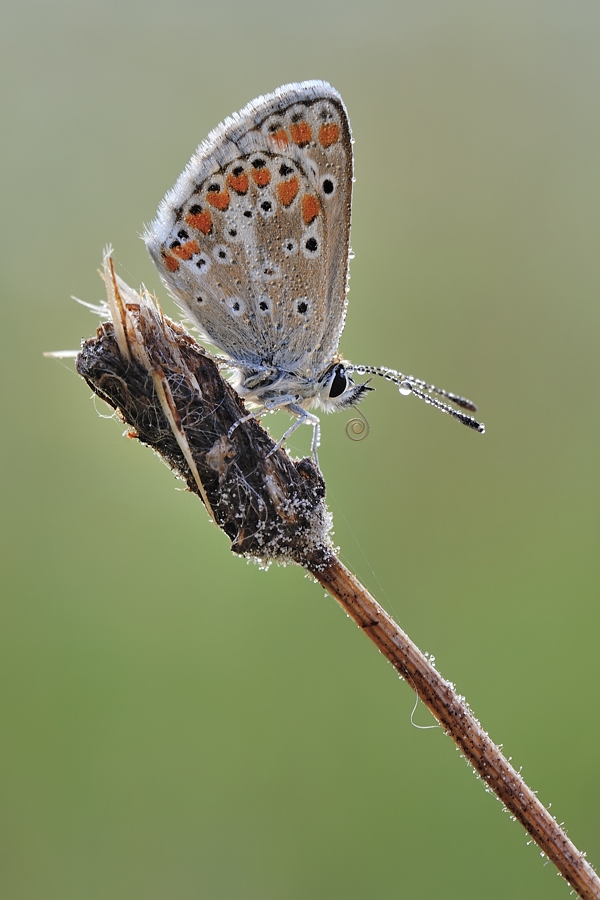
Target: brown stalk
164,385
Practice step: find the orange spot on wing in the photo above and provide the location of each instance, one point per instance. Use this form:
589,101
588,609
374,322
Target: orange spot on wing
287,190
280,137
301,133
261,177
219,200
310,208
201,221
329,134
238,183
171,263
187,250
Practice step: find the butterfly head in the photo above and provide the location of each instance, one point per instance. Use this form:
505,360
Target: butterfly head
338,390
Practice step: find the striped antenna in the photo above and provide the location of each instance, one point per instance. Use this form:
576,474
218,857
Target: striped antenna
408,385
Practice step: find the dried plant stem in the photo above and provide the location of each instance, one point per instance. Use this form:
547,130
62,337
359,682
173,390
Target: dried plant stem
461,725
171,392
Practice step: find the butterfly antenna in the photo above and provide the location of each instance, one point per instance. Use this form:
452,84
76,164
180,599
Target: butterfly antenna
408,385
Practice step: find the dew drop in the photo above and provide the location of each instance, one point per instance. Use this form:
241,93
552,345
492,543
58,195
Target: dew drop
405,388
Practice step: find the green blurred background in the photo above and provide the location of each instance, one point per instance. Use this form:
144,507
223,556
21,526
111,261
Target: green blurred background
177,723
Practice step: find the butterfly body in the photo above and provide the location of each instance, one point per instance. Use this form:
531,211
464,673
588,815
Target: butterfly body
253,242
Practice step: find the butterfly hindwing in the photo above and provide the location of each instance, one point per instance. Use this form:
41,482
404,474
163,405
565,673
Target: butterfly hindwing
253,239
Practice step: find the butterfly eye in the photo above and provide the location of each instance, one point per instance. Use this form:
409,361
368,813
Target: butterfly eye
339,382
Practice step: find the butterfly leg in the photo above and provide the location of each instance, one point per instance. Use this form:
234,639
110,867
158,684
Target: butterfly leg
255,414
268,406
303,418
287,402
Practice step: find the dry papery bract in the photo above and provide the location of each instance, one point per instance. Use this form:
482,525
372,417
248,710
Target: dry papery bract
172,394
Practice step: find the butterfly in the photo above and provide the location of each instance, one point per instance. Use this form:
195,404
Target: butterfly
253,243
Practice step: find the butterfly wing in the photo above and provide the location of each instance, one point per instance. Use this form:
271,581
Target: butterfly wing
253,239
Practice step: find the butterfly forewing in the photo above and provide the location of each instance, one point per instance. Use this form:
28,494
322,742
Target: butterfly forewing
253,239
